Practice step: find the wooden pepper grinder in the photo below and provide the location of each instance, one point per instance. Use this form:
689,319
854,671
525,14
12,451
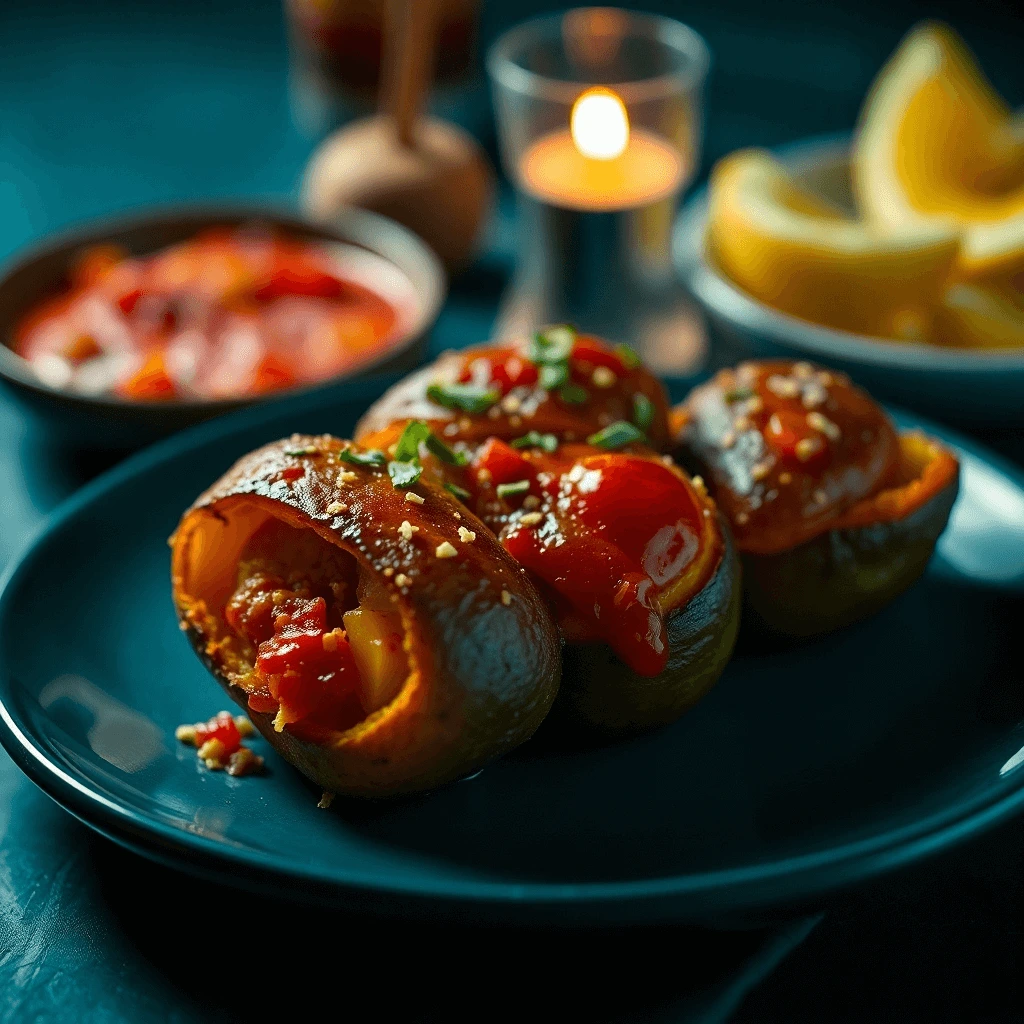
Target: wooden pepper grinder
425,173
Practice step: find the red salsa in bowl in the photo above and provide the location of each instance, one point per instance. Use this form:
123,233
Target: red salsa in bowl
229,313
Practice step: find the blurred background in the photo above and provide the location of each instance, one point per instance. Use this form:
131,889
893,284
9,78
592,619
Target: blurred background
113,105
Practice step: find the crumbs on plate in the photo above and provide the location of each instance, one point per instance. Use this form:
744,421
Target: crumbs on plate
218,743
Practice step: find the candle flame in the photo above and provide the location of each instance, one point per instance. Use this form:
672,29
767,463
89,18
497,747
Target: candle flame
599,124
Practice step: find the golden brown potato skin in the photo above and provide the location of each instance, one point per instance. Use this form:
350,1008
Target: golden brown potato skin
602,694
844,575
810,565
484,670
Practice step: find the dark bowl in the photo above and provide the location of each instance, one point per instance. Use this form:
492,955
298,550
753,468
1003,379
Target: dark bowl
107,421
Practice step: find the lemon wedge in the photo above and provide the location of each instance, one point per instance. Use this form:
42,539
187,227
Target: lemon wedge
796,251
937,144
982,316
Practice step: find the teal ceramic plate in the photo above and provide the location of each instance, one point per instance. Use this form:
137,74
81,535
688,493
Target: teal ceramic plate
805,769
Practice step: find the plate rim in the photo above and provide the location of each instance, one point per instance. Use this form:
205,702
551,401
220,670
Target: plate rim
740,888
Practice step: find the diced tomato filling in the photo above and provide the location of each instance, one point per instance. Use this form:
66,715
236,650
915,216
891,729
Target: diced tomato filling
295,597
221,728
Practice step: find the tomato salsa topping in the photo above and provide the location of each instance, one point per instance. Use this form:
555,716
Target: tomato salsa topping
229,313
556,382
790,448
615,539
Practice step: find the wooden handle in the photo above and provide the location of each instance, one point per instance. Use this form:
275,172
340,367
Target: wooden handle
408,62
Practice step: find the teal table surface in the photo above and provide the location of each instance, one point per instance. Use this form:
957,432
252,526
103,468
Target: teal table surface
113,105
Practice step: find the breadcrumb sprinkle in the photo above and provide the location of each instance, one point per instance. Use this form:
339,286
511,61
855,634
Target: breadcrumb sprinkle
446,550
466,536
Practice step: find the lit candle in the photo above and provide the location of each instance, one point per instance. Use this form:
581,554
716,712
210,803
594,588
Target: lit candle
599,163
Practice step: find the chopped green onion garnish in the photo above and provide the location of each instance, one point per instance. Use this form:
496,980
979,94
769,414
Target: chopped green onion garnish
616,435
371,457
630,360
553,375
643,411
739,394
443,452
518,487
535,439
408,447
552,344
573,394
404,474
296,452
467,397
460,492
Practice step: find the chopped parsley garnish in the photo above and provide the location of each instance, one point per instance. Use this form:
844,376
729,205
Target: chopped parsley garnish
405,468
616,435
739,394
535,439
404,474
443,452
552,345
460,492
630,360
643,411
466,397
573,394
517,487
296,452
371,457
553,375
416,433
408,447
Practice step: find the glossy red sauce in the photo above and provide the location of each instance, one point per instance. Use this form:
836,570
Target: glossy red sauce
603,385
230,313
789,448
608,535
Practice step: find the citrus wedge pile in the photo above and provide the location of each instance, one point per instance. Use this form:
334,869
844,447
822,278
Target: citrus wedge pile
935,249
794,251
938,145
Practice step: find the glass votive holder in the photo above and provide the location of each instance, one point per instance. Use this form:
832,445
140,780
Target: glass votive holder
599,123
